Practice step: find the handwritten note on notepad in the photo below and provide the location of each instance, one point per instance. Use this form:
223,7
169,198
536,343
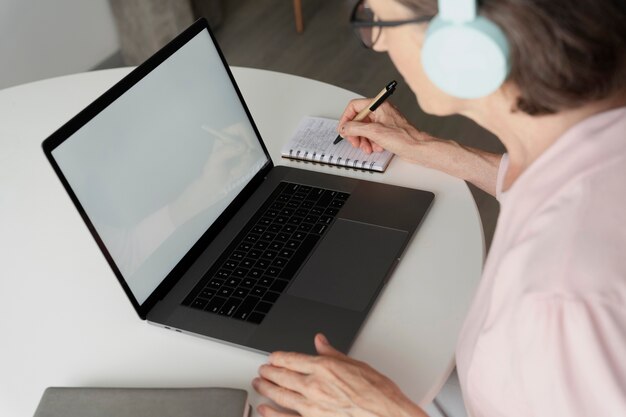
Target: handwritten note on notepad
313,142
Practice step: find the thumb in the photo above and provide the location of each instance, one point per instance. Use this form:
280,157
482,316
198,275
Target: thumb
323,347
375,132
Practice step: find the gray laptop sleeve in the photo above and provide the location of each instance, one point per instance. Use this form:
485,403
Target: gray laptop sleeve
143,402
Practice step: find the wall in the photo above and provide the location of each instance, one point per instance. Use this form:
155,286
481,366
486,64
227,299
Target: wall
42,38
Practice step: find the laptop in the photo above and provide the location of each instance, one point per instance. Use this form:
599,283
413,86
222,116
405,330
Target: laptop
205,235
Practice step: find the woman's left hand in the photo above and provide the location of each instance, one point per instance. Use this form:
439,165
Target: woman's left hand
331,384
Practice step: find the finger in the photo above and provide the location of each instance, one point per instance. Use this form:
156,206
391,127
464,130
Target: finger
353,108
297,362
377,148
366,146
323,347
285,378
374,132
281,396
268,411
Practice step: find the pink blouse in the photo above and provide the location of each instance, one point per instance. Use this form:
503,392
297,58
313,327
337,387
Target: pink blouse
546,332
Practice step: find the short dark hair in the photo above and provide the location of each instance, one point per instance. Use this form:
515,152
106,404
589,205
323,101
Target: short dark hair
563,53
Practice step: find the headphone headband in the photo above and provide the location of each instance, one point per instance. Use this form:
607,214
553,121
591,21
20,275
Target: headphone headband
457,11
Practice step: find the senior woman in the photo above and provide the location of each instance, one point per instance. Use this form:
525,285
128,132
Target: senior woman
546,332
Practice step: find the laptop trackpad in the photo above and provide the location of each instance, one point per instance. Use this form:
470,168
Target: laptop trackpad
349,265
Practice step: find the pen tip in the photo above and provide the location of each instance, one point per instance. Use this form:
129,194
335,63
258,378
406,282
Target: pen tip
337,139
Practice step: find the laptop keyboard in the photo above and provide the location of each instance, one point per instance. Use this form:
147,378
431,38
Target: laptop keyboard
257,267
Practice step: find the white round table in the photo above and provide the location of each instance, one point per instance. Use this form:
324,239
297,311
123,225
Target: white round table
64,320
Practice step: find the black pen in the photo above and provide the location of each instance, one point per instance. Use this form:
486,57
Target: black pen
377,101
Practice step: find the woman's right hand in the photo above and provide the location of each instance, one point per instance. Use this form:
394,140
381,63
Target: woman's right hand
386,128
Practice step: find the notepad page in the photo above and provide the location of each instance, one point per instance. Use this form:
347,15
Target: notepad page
313,141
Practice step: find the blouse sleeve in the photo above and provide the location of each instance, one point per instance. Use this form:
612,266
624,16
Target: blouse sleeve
570,356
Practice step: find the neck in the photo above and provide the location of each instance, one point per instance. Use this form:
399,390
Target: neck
527,137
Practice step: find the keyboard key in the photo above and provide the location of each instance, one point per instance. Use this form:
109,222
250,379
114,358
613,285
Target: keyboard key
281,220
305,227
287,212
278,205
240,272
254,254
240,292
246,308
305,189
293,204
279,285
306,204
271,296
272,271
262,264
283,237
315,194
245,247
271,213
276,246
258,291
286,253
274,228
269,254
256,318
301,212
247,283
255,273
342,196
295,220
317,211
247,263
311,219
291,188
199,303
215,304
258,229
261,245
283,198
326,219
233,282
337,203
251,238
222,273
215,283
207,293
292,244
265,281
289,228
238,255
319,228
225,291
230,306
331,211
265,221
263,307
279,262
230,264
326,198
299,236
268,236
298,196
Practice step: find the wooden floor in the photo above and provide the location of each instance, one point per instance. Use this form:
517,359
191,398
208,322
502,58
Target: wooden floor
261,34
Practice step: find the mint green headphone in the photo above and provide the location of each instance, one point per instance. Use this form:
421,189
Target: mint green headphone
465,55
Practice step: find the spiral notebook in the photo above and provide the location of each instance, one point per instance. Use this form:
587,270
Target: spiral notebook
313,142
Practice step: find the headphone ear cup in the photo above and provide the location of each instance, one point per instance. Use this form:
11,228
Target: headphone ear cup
466,60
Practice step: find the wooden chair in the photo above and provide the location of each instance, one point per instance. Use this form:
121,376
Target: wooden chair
297,11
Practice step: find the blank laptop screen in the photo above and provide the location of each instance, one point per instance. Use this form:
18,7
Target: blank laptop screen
156,168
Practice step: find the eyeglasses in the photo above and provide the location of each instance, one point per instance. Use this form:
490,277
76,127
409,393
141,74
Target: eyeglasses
368,28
